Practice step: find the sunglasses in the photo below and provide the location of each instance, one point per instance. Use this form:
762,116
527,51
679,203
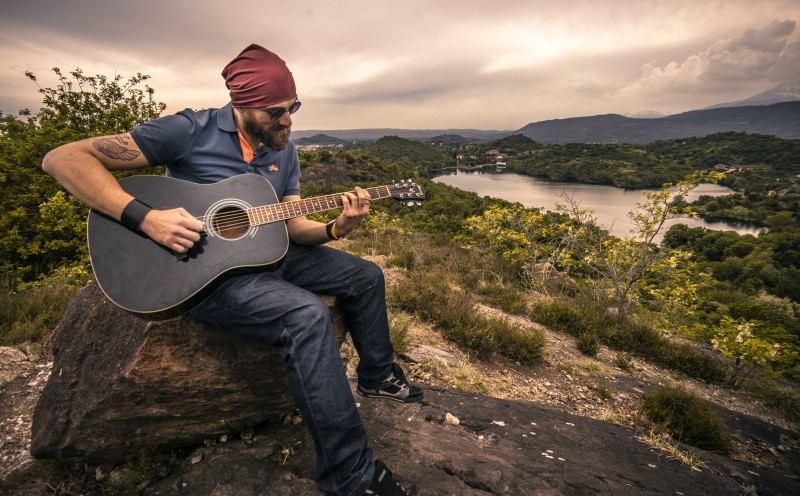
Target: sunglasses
277,113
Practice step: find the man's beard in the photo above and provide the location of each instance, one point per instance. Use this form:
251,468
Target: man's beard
275,137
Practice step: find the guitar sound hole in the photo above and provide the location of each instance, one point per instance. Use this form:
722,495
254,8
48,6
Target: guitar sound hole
231,223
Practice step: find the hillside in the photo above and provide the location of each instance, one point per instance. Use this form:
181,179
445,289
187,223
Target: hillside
583,410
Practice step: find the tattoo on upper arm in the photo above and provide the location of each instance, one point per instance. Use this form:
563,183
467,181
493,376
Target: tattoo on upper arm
115,148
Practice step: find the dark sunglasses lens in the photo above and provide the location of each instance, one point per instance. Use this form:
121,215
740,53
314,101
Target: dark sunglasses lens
278,112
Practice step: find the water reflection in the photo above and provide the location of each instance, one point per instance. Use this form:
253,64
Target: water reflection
609,204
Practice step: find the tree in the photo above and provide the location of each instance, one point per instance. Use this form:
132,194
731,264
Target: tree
745,352
42,228
619,266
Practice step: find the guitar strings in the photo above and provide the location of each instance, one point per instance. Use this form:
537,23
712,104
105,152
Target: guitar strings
282,211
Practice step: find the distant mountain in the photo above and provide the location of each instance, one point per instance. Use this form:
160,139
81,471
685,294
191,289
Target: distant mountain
747,116
318,139
780,119
786,92
449,138
647,114
416,134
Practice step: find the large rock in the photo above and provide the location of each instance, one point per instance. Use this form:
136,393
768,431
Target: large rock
456,443
121,384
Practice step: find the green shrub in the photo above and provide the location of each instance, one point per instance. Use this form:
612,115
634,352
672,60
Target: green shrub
404,259
504,297
689,360
777,398
32,313
398,331
588,344
635,338
573,316
584,320
649,343
558,315
687,418
624,361
425,294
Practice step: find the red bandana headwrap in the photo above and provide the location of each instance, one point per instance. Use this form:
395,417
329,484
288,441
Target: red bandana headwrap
258,78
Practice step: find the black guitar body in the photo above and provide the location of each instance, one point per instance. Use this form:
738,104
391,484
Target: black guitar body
148,279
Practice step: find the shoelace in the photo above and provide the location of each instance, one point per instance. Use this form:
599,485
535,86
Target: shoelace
392,380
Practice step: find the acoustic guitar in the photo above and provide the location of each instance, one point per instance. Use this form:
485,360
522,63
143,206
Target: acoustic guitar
244,230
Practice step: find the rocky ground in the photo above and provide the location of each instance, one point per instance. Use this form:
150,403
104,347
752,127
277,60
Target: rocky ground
593,389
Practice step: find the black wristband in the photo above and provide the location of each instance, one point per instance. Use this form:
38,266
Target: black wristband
134,213
329,230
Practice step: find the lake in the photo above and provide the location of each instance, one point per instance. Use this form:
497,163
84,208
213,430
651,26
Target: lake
609,204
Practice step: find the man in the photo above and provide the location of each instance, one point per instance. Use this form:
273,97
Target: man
251,135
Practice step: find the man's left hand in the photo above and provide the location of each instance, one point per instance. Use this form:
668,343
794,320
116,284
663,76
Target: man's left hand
356,207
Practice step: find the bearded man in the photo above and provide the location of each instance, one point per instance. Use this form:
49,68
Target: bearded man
250,135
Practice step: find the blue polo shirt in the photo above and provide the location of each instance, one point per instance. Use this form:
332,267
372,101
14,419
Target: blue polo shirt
203,147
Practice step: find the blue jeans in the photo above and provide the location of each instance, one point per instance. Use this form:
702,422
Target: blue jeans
281,308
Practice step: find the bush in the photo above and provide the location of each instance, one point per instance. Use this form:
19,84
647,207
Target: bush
588,344
574,316
558,315
31,314
624,361
687,419
777,398
504,297
647,342
398,331
590,323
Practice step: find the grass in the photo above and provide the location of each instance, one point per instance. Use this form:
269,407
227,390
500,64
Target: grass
435,297
49,477
467,378
31,314
666,444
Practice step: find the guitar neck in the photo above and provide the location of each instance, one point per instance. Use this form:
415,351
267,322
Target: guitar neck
288,210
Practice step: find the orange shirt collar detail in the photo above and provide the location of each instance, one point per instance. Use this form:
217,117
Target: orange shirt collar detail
247,150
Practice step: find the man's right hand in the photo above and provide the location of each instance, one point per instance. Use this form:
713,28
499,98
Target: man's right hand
176,228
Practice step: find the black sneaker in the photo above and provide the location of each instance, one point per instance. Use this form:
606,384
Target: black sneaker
383,484
395,387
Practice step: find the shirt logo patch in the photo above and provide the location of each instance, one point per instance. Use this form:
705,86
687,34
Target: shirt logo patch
273,168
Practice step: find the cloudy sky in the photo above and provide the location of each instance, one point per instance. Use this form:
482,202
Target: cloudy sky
418,64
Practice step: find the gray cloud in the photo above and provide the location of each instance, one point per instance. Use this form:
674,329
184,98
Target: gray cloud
419,63
752,55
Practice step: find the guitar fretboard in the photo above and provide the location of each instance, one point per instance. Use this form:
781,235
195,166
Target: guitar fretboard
288,210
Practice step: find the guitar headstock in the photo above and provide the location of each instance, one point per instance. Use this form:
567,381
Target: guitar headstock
408,192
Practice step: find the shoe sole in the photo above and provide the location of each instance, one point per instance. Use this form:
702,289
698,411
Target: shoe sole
387,397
